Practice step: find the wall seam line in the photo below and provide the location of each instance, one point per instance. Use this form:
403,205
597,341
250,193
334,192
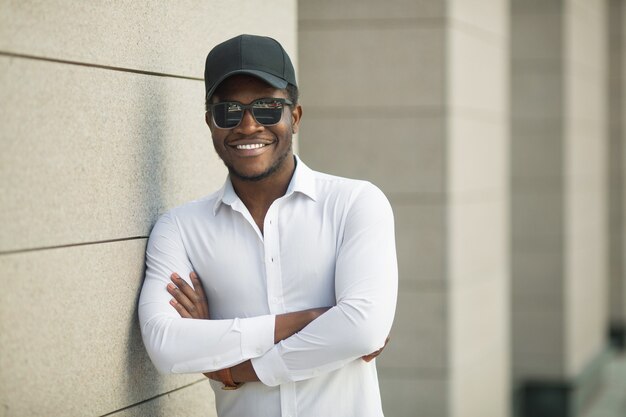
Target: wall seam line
100,66
152,398
70,245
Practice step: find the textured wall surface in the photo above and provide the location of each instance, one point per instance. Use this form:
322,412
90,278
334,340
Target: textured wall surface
585,181
477,204
411,95
102,129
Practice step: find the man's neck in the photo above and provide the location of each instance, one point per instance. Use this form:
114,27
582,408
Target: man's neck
259,195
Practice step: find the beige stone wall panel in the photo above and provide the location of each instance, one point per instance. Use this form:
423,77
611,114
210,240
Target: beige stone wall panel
425,395
536,37
585,165
474,166
479,322
617,161
488,16
536,222
622,89
476,64
418,337
142,35
537,279
193,401
537,95
404,71
477,243
329,10
521,7
532,170
370,144
88,154
538,333
420,242
69,335
484,380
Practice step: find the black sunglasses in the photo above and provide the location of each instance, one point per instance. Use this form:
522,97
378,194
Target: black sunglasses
266,111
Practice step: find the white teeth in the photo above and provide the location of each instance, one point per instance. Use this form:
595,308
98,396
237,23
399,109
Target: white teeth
251,146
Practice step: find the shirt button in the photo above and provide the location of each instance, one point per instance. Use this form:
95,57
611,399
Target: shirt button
272,258
276,300
259,351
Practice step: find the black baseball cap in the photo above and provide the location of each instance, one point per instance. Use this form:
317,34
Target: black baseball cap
259,56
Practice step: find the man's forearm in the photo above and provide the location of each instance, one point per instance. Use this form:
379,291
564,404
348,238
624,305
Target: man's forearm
286,325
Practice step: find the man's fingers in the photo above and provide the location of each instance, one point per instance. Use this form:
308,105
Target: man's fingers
368,358
181,298
216,375
187,290
181,310
191,296
197,285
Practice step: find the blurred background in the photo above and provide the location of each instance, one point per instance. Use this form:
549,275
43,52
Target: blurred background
495,128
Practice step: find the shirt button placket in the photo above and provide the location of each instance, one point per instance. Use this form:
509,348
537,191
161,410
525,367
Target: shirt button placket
272,268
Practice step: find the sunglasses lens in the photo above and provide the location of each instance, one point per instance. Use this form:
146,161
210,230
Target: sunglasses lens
267,112
227,115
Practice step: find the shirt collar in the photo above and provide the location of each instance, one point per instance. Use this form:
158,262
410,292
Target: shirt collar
302,181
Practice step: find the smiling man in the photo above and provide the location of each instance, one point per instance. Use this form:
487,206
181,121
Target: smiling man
281,286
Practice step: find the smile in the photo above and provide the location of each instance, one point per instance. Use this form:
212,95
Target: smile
251,146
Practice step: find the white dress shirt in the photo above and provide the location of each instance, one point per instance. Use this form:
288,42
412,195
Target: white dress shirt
329,241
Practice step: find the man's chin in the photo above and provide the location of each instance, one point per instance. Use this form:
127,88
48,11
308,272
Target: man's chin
252,177
258,175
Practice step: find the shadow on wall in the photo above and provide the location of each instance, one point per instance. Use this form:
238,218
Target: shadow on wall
143,381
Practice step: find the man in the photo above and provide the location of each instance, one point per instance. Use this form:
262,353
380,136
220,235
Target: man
292,275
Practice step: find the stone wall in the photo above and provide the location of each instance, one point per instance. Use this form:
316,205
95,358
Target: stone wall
102,130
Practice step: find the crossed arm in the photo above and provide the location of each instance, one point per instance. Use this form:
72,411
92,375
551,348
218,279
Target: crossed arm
191,302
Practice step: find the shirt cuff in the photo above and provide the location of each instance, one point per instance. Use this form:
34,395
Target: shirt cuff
271,369
257,335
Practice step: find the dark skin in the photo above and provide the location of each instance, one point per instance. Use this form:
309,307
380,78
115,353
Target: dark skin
259,177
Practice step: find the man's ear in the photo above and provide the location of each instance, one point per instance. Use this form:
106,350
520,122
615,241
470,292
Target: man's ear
207,118
296,116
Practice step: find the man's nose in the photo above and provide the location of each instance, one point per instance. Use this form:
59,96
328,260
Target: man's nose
248,123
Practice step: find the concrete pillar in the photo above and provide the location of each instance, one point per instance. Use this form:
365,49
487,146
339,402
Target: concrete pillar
101,130
617,172
559,209
413,95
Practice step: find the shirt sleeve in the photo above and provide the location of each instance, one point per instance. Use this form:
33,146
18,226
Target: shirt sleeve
366,284
182,345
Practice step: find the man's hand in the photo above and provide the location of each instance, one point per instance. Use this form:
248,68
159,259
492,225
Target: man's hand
368,358
190,302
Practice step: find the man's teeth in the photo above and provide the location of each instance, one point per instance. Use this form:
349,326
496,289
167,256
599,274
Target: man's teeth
251,146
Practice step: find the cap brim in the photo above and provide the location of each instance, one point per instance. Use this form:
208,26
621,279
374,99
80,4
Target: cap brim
272,80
